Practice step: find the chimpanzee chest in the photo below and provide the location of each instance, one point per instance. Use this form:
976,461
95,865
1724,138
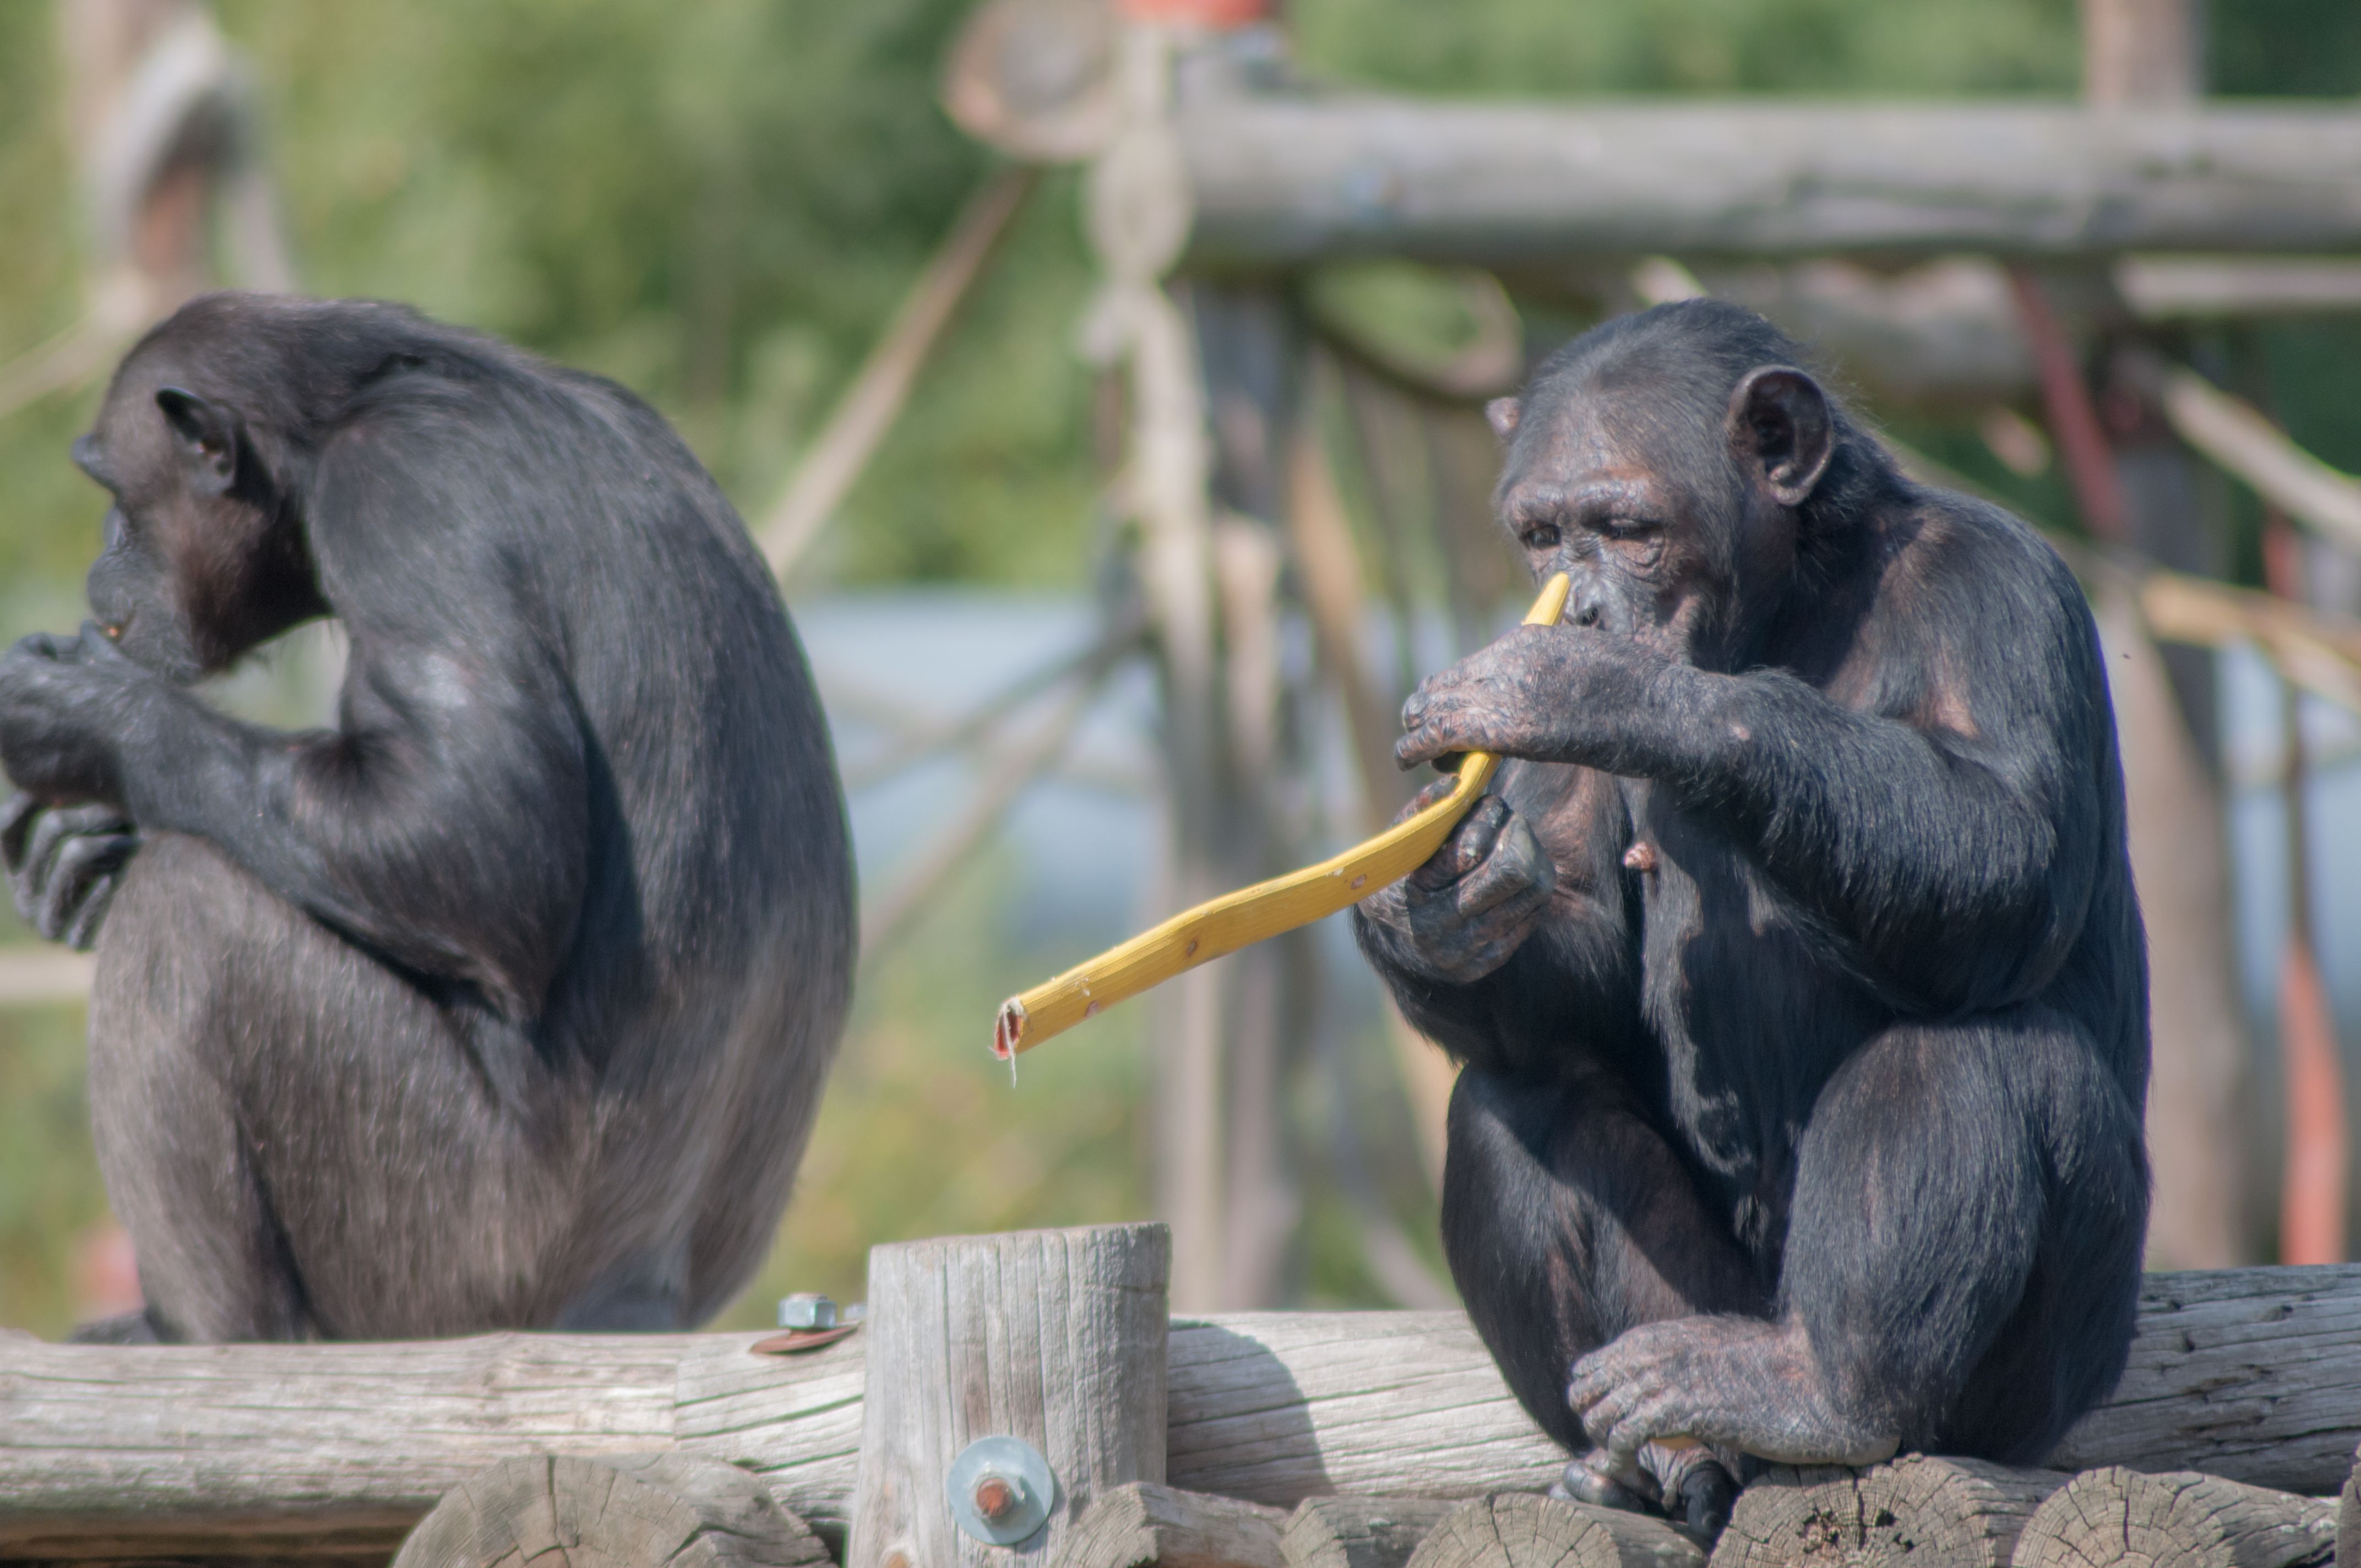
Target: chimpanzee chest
1744,995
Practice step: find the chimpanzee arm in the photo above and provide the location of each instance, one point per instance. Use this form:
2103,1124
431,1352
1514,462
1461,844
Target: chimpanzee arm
446,822
1951,828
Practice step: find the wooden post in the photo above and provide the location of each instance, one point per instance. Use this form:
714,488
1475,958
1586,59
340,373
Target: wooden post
1056,1338
1931,1513
2181,1519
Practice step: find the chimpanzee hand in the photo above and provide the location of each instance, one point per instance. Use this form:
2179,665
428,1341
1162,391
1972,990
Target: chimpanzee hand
63,706
1553,693
64,864
1459,916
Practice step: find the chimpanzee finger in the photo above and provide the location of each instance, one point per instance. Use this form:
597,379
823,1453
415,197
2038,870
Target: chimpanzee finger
16,815
1516,874
55,828
81,861
1469,843
1460,725
42,645
82,935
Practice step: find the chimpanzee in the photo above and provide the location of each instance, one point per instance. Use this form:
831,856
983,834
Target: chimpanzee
1796,965
505,1002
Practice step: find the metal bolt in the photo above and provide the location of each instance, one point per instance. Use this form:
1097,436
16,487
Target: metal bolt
807,1310
995,1499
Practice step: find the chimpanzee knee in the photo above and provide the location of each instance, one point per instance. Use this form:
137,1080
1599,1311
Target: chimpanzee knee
1566,1220
1967,1271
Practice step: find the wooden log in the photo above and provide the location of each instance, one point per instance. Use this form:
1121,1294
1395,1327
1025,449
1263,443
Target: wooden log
1359,1532
2181,1519
2246,1373
625,1510
1931,1513
204,1451
1143,1525
2348,1517
1526,1529
1284,182
1056,1338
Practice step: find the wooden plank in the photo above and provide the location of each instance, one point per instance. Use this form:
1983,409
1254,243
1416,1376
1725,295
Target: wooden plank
664,1507
2253,1374
1284,182
1278,1406
121,1451
147,1451
1359,1532
1520,1529
795,1421
1143,1525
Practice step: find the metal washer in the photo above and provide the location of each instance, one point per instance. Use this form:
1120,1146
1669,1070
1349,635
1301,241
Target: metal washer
1020,1464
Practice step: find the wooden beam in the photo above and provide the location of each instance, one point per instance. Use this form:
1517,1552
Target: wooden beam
197,1451
1287,182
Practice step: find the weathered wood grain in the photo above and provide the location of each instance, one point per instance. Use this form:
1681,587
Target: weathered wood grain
1278,1406
1359,1532
1525,1529
627,1511
1285,180
1929,1513
121,1451
1143,1525
795,1421
1055,1337
2253,1374
2177,1521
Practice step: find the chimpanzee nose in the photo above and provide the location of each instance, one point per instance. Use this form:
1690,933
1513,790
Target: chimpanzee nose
1589,606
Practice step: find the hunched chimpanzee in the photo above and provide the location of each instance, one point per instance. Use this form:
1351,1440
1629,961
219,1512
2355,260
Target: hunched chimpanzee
506,1002
1795,965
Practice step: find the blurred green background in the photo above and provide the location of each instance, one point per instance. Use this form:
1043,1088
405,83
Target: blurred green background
720,205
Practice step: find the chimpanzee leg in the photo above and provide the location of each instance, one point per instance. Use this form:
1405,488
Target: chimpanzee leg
1567,1219
297,1141
1960,1269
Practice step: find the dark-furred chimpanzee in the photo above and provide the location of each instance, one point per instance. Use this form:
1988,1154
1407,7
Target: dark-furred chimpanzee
506,1002
1796,966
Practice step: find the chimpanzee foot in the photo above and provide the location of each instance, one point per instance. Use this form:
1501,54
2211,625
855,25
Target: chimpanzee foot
1685,1482
1740,1384
1586,1481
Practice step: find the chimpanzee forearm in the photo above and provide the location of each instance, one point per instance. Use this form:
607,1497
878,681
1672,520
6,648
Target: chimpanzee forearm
353,828
1961,867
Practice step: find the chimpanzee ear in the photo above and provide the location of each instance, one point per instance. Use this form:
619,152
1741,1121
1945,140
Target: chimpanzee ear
209,432
1781,425
1503,414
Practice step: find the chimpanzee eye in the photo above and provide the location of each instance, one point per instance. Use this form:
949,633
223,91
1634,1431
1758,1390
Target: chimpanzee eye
1541,536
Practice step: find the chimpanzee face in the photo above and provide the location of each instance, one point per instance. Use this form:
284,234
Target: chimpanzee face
202,559
1674,519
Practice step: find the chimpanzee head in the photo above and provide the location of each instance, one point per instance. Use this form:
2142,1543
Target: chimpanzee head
1673,463
204,554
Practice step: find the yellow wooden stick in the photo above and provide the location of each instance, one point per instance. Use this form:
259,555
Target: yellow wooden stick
1250,915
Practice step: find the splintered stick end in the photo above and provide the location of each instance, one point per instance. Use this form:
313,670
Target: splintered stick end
1007,1031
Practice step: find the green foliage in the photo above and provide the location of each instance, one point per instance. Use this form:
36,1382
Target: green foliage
1848,47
